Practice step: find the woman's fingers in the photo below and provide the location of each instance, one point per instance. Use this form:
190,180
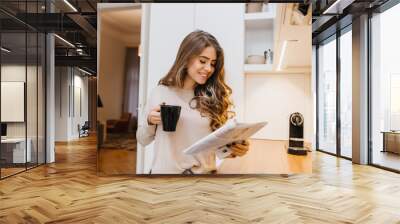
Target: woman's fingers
155,121
154,116
245,142
239,152
239,149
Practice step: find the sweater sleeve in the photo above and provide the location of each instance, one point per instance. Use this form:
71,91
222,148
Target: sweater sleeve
146,133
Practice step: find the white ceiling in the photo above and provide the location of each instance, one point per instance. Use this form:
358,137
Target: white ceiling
296,31
124,22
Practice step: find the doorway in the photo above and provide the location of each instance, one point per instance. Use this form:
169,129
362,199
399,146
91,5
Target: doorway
119,28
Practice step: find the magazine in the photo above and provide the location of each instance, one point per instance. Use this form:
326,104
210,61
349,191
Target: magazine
231,132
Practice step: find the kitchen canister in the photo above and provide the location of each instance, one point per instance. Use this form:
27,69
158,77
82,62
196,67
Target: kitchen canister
255,59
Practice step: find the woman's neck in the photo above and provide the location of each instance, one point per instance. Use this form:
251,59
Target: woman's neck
189,84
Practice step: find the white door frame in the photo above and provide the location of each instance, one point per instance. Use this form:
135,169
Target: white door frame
144,49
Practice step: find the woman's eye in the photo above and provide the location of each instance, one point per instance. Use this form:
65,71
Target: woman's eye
204,62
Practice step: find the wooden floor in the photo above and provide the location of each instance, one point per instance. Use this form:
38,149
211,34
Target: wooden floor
387,159
116,161
10,171
69,191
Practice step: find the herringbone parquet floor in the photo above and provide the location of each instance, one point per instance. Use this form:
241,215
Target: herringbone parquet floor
69,191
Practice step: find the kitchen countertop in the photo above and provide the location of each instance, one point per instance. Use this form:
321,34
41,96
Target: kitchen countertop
267,157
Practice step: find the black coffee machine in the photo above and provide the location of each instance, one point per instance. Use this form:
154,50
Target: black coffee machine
296,135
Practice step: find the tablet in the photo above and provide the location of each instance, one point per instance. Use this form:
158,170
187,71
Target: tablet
232,131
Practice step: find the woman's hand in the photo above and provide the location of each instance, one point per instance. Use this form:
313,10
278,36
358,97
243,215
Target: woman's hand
154,116
239,149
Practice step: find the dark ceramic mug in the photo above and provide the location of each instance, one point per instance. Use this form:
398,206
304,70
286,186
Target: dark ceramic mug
170,116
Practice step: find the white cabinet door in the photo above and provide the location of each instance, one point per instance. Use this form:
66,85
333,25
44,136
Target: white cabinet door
226,23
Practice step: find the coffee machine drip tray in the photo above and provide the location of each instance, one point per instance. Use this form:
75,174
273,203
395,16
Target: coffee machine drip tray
297,151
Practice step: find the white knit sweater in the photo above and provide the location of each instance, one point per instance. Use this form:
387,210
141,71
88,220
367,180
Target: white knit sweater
169,146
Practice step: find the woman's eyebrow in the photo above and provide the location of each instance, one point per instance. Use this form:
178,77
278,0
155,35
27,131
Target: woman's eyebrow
207,58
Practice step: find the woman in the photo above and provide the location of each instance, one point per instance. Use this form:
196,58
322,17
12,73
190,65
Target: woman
196,83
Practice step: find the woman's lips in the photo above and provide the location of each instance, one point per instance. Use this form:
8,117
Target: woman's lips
203,75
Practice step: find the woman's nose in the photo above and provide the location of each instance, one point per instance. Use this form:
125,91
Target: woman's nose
208,67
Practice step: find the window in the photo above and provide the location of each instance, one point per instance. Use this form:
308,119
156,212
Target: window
327,97
22,66
346,94
385,89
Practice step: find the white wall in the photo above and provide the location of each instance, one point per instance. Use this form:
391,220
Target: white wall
67,81
62,80
81,104
229,32
181,22
273,97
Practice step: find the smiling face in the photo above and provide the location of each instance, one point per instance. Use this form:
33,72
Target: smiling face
201,67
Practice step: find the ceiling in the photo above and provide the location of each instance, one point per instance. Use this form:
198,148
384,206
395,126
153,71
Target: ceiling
23,49
123,23
72,20
333,15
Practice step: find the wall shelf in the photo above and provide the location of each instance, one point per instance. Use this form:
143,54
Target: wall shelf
258,16
269,69
259,37
258,68
259,20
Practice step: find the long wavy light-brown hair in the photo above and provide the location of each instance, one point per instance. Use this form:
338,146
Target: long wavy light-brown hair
211,98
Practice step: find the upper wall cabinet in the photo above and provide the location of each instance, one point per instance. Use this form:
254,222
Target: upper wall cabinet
259,37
